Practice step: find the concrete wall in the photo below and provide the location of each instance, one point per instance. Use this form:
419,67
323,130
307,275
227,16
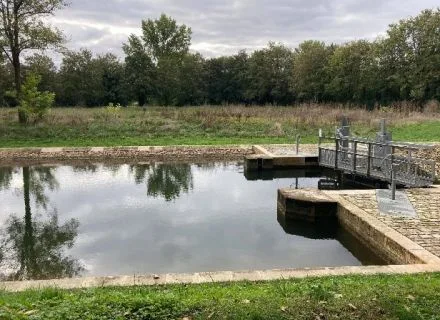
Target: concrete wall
386,242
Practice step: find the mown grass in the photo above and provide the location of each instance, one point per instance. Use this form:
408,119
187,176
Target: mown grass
206,125
349,297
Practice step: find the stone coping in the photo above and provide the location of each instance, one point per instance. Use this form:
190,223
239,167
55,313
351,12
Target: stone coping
133,148
411,247
13,156
215,277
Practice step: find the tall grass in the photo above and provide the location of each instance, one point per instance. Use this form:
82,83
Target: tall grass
310,113
203,124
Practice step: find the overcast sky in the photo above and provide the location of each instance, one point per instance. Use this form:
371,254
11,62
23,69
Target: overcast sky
226,26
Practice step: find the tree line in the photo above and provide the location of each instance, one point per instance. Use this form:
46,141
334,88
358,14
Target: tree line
159,69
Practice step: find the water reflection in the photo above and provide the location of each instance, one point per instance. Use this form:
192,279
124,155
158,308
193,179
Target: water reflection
166,180
331,229
151,218
32,248
327,230
5,177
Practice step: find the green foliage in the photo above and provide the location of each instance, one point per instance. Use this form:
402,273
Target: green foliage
410,57
45,68
85,80
160,52
379,297
309,70
23,27
165,39
225,79
271,72
33,103
159,70
354,72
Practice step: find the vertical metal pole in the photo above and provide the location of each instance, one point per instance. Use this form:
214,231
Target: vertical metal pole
392,161
393,182
369,160
298,139
336,154
354,155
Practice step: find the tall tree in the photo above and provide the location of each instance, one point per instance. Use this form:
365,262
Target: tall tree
85,80
309,70
410,57
226,78
270,77
22,28
43,66
191,86
5,80
139,70
166,44
77,82
353,71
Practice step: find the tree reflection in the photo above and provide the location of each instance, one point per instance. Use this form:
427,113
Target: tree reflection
34,249
166,180
6,174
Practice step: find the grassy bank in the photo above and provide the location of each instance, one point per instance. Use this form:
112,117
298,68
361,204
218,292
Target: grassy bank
351,297
205,125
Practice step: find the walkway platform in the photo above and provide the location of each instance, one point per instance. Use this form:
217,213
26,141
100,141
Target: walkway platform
278,158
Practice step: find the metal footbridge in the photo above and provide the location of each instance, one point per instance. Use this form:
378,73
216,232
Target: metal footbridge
380,159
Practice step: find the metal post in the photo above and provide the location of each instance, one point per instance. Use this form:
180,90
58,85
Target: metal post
354,155
393,182
369,160
298,139
336,153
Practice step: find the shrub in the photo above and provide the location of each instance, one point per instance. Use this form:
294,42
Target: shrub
432,106
33,103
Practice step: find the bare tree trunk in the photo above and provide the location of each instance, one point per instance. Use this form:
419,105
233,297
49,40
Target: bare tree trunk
22,116
17,71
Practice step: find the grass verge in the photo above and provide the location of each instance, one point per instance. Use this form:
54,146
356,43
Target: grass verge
77,127
348,297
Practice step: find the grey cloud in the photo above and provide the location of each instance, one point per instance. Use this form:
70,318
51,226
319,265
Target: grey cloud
226,26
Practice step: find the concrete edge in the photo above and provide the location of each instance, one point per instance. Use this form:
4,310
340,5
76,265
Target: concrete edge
258,149
194,152
132,148
215,277
394,236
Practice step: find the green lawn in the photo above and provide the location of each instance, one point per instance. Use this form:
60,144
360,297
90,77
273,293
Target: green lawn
201,126
349,297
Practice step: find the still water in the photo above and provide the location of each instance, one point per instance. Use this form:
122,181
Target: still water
63,221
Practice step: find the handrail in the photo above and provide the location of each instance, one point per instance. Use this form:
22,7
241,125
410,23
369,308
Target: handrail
349,152
396,144
422,172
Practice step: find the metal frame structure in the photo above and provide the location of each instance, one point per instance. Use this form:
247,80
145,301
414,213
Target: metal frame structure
385,161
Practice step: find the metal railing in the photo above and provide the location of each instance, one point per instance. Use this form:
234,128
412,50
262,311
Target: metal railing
376,160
